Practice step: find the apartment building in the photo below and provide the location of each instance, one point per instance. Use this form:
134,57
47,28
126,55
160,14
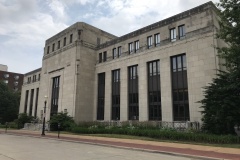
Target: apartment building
13,80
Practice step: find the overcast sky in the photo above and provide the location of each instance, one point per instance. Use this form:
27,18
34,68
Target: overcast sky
26,24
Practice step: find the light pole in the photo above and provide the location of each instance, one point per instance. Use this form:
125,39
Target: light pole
44,115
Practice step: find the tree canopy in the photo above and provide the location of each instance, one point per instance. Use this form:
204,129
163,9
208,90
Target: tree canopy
9,103
221,103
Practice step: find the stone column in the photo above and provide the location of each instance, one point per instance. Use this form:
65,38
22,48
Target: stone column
143,100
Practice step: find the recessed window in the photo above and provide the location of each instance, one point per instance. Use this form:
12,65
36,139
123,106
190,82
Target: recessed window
16,77
65,110
101,96
181,31
29,80
53,47
136,45
5,81
16,83
149,41
71,36
116,75
119,51
34,78
133,109
173,34
131,48
55,97
100,58
154,91
104,56
58,44
180,88
116,94
98,41
114,53
6,75
64,41
157,39
48,49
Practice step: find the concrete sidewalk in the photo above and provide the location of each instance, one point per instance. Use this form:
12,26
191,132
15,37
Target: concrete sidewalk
150,146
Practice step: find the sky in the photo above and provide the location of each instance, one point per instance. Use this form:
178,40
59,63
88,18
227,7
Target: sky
26,24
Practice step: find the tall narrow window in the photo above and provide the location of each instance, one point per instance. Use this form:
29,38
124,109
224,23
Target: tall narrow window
39,77
173,34
133,107
31,102
36,103
131,48
55,95
26,101
116,94
104,56
100,58
48,49
29,79
136,46
119,51
59,44
34,78
101,96
157,39
181,31
71,37
154,94
64,41
149,41
53,47
114,53
180,88
98,40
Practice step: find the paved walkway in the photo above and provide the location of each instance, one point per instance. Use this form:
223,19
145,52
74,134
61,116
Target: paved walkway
208,152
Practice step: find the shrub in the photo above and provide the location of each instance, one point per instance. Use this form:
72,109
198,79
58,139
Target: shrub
22,119
66,122
161,134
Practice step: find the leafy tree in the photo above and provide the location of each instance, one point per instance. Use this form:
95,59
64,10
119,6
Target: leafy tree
65,121
221,103
9,103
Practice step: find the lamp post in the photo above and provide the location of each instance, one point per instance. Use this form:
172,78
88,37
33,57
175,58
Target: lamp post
44,115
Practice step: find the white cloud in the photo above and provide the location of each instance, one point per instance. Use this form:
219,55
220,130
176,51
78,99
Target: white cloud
23,34
58,8
124,16
26,24
81,2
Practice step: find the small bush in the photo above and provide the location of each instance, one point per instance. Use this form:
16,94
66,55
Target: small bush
22,119
66,122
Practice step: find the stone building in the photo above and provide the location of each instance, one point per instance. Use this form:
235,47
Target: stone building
155,73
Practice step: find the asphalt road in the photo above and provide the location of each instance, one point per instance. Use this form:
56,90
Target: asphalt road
29,148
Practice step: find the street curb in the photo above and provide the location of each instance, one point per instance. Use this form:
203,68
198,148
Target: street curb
193,157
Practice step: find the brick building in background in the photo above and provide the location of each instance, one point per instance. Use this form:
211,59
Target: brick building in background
13,80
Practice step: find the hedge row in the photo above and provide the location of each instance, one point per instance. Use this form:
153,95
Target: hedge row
163,135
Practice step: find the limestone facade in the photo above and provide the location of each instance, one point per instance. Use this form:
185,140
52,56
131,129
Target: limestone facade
78,54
